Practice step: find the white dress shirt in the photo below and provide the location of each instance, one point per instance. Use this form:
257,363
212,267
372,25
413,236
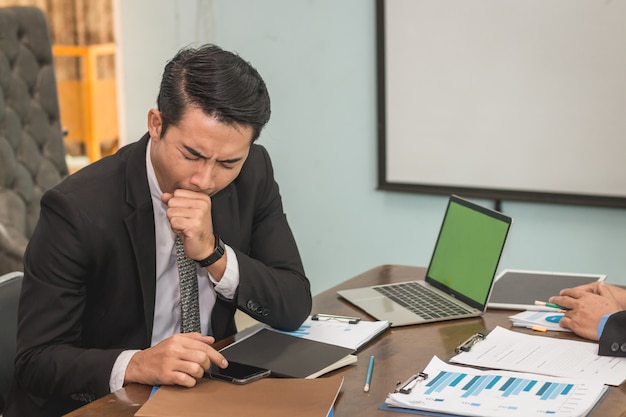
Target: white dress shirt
167,314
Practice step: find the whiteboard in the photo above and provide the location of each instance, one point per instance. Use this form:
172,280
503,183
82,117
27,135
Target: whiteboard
512,99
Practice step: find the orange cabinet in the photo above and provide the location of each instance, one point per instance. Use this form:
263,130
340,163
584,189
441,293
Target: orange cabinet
88,102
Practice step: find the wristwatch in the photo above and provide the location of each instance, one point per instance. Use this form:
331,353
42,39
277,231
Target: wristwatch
216,255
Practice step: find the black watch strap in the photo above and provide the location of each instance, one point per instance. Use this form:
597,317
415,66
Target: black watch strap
216,255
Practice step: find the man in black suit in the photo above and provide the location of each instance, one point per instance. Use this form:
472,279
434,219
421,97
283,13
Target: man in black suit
597,311
100,299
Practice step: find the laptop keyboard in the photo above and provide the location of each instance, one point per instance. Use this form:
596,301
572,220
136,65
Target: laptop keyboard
421,300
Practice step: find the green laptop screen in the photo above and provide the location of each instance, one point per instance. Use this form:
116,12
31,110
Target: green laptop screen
468,250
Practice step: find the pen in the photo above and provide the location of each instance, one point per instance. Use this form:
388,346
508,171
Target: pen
368,378
543,303
322,317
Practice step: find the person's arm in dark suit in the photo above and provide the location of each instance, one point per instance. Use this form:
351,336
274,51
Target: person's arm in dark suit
613,338
273,287
89,283
54,356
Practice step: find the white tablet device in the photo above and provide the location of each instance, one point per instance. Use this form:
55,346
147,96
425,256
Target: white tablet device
519,289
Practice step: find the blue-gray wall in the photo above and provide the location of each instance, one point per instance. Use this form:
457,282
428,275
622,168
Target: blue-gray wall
318,59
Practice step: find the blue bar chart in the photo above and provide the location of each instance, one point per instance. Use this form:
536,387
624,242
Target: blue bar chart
467,391
508,388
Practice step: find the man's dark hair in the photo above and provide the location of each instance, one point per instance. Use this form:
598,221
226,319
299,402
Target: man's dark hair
220,83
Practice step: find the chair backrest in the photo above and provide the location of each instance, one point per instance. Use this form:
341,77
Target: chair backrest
10,286
32,152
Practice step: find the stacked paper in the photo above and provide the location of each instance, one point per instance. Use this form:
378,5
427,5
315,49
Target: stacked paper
539,320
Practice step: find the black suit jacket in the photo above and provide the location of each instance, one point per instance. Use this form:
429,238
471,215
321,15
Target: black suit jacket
89,275
613,338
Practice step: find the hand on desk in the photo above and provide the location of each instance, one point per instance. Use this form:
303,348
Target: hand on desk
178,360
587,304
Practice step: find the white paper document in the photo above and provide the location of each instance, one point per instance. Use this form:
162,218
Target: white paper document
466,391
340,332
514,351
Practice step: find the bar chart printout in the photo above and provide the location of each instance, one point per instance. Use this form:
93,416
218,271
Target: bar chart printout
471,392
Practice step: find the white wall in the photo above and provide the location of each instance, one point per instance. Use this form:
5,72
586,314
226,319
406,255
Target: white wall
148,33
318,59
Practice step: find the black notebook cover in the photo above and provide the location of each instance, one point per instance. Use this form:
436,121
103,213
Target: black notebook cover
285,355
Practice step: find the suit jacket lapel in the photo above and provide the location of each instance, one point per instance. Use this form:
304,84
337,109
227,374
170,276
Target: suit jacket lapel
140,226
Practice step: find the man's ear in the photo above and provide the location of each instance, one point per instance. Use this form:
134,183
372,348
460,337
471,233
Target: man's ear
155,123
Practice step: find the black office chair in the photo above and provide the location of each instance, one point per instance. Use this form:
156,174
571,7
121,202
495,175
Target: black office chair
32,152
10,286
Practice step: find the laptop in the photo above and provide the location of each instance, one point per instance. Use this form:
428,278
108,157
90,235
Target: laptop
459,277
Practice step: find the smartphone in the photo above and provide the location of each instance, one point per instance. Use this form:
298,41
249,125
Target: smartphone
238,373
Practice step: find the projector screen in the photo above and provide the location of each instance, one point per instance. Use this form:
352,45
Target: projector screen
504,99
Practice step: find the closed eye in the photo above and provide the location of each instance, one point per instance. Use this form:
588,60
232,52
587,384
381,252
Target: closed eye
193,154
229,163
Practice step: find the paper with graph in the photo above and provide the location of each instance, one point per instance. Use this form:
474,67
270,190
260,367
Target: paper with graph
465,391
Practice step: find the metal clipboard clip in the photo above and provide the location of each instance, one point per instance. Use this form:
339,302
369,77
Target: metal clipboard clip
407,386
471,341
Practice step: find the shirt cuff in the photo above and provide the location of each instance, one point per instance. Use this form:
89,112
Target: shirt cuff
227,286
602,324
119,370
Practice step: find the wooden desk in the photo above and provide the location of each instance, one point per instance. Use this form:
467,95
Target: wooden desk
399,352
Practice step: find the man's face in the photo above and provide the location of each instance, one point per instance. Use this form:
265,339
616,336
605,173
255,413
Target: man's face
199,153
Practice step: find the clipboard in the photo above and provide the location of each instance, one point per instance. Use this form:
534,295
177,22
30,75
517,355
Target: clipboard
407,385
464,391
522,352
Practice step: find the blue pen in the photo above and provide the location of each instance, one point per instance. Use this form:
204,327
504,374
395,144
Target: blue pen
368,378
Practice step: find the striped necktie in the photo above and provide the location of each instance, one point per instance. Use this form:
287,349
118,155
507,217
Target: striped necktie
190,309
